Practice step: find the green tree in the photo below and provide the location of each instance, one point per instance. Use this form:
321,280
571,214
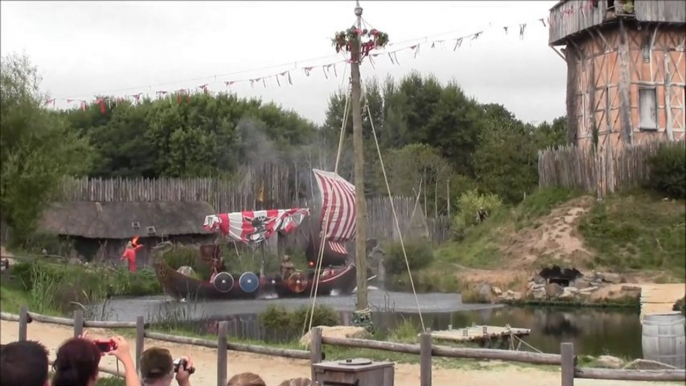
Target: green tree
188,136
551,134
37,147
506,160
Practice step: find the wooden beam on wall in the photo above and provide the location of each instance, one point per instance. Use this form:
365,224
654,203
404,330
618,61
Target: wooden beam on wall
625,79
558,53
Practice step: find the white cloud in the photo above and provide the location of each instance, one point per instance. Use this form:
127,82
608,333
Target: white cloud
88,48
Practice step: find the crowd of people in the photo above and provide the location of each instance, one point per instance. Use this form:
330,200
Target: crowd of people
26,363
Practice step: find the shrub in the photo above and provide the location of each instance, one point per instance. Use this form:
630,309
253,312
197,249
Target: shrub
182,255
668,171
469,204
680,305
278,318
322,316
419,255
38,242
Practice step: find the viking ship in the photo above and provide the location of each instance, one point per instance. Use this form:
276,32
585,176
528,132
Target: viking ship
334,197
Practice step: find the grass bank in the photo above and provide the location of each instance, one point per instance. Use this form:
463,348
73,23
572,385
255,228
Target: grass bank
638,231
481,246
634,233
48,287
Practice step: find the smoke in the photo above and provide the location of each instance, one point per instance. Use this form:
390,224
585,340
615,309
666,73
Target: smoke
256,148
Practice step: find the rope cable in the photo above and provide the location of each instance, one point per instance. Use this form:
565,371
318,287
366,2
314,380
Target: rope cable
320,257
395,214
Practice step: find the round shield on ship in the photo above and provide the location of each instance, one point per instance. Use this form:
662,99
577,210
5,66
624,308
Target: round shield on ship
223,282
249,282
297,282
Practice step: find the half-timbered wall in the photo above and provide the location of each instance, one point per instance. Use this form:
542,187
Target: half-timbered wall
627,83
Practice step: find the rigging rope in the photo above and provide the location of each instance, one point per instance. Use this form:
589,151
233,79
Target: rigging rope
320,257
395,214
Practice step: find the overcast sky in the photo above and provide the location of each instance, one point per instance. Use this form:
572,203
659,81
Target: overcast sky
123,48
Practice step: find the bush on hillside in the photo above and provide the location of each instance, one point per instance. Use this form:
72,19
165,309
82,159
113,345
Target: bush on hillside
668,171
469,204
419,255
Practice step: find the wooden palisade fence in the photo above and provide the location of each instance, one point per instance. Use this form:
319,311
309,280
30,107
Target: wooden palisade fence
425,349
586,169
231,196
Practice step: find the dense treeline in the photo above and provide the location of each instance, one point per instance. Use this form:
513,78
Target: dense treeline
430,134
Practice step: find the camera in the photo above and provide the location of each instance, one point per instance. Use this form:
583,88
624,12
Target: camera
105,345
182,363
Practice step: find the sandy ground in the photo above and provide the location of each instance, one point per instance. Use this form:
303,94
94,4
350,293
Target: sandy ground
274,370
660,298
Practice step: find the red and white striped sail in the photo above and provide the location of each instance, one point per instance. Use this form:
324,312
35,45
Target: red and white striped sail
338,201
254,227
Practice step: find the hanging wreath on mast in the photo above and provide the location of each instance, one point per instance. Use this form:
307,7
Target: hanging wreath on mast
369,40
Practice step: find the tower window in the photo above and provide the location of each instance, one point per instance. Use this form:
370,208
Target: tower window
647,108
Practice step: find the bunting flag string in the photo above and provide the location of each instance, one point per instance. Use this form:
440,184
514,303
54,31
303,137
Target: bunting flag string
390,50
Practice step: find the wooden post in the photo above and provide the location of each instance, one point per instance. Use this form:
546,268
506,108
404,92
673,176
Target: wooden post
425,359
222,354
315,348
140,340
668,98
78,323
23,322
447,184
358,150
568,363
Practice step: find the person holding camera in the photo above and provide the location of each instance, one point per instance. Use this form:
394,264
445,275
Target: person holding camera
78,359
158,368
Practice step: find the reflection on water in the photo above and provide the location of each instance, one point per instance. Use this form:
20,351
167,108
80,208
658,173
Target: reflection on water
593,331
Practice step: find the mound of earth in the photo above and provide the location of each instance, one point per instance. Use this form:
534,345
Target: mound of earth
552,238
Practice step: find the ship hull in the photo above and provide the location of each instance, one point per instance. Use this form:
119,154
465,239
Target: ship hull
180,286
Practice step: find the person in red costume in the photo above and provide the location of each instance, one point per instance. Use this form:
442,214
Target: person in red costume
130,253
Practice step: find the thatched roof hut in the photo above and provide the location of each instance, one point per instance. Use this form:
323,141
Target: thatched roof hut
124,220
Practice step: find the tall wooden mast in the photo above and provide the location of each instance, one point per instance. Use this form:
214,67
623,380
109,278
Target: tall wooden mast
358,146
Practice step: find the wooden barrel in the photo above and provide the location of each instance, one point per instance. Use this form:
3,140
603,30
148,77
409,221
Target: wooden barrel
664,339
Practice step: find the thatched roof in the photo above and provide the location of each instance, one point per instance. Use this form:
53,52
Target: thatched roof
113,220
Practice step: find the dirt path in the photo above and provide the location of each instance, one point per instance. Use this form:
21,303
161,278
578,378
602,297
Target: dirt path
274,370
660,298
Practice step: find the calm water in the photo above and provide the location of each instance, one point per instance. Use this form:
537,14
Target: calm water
593,331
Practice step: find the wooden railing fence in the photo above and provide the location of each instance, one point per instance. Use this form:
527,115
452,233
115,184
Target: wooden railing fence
425,349
586,169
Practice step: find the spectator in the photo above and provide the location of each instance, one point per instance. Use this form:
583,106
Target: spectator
299,382
157,368
24,363
246,379
78,359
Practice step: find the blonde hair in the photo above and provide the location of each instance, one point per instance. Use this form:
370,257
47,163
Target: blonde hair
299,382
246,379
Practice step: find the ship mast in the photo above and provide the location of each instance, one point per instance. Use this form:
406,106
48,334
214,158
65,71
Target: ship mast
358,147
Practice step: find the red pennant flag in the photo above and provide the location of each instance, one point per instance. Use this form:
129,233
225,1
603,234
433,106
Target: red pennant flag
101,102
